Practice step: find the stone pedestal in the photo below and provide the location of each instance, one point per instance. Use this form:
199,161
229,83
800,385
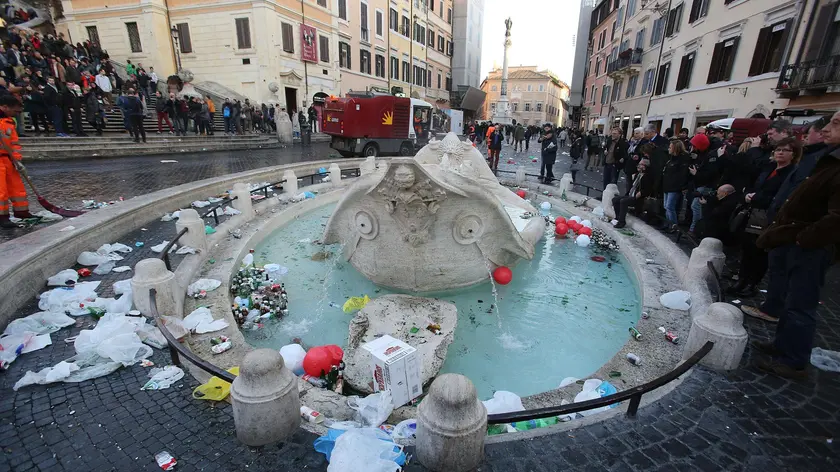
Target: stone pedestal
565,184
451,425
284,128
368,166
152,274
266,405
243,201
291,185
606,199
335,174
195,236
710,249
520,175
722,324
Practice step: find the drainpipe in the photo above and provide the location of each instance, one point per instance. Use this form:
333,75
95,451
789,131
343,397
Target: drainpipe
658,62
305,64
169,31
411,47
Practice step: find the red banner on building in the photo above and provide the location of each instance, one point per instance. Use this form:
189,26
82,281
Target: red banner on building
309,43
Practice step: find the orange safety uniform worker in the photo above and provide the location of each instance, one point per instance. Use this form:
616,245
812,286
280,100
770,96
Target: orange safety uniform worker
11,185
490,130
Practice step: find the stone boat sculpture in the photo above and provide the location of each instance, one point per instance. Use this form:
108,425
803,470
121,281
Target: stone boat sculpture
437,221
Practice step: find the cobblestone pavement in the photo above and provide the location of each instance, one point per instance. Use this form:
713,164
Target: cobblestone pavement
67,183
741,421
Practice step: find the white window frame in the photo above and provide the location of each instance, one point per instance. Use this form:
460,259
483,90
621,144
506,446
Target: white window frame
379,12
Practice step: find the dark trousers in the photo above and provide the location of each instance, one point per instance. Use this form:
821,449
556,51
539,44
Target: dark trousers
211,127
621,205
57,118
630,178
97,122
796,278
137,130
76,117
547,166
493,158
526,143
42,119
753,261
610,174
180,125
313,124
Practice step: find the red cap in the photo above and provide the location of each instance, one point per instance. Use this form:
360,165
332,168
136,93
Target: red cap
700,142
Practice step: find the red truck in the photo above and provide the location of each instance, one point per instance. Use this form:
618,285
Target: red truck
375,125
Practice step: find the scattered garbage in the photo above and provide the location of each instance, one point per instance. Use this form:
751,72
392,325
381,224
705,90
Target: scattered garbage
220,344
200,203
207,285
503,402
164,459
63,278
635,334
105,268
676,300
38,323
293,355
163,377
582,240
597,212
201,321
160,247
67,299
121,269
634,359
230,211
395,367
405,429
84,272
186,250
355,303
824,359
67,228
216,389
257,294
168,161
311,416
139,244
167,217
146,363
107,252
372,410
567,381
672,337
368,449
209,229
593,389
174,325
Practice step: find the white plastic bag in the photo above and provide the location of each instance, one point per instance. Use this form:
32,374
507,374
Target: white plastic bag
200,203
160,247
567,381
590,392
122,286
208,285
364,449
230,211
88,258
825,360
116,247
503,402
162,378
121,269
293,355
48,216
598,212
113,338
186,250
152,336
372,410
175,326
275,271
60,279
405,429
39,323
201,321
105,268
64,299
676,300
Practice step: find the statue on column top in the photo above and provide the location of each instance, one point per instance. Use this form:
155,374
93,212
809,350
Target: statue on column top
508,25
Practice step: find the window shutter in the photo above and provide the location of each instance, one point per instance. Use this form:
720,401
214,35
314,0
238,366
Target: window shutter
288,37
243,33
730,62
778,60
760,53
818,45
716,66
184,37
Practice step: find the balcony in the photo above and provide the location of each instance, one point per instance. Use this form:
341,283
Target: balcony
629,62
810,77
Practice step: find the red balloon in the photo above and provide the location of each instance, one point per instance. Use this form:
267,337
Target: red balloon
321,359
561,230
560,220
586,231
502,275
521,193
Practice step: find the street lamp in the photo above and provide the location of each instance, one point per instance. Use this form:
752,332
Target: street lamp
174,32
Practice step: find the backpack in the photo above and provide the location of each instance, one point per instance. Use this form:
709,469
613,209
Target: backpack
226,112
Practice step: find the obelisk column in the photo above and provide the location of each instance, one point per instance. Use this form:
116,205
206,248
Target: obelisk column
502,114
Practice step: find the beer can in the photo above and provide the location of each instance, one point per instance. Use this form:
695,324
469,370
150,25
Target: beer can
635,333
672,337
634,359
311,415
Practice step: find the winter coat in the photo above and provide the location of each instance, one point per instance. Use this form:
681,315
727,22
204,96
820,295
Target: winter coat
549,144
811,155
495,141
92,105
675,174
767,186
519,133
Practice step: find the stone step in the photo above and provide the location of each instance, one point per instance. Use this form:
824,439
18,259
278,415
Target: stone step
125,138
132,149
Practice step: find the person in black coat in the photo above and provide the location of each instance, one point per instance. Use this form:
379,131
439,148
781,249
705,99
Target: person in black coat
634,156
674,181
786,155
641,188
548,154
94,110
33,103
575,153
717,213
133,107
615,156
494,147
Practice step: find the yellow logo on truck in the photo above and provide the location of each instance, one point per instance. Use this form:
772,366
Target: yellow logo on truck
388,118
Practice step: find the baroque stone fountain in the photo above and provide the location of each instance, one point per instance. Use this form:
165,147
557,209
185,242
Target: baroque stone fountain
437,221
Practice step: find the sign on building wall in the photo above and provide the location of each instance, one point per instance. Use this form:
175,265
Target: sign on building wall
309,43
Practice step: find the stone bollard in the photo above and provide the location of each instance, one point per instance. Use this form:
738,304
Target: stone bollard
565,184
243,201
606,200
152,274
520,175
195,236
722,324
368,166
335,174
290,185
451,426
266,403
710,249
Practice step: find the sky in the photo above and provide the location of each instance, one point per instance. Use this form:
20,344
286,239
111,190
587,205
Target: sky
541,35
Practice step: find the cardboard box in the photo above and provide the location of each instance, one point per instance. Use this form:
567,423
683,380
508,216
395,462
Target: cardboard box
395,366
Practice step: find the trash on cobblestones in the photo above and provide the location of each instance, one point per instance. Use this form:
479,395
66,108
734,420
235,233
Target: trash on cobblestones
824,359
311,416
67,228
47,216
201,321
216,389
208,285
368,449
12,346
139,244
200,203
209,229
186,250
167,217
230,211
121,286
676,300
160,247
67,299
38,323
147,363
121,269
84,272
151,336
165,460
63,278
163,377
168,161
105,268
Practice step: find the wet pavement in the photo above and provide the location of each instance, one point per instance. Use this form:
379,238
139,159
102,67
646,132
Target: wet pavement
739,421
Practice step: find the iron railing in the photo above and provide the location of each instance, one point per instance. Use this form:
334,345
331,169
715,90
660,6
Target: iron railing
817,74
214,209
165,254
633,394
632,57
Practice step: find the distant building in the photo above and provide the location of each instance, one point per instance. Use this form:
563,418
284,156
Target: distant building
581,61
605,30
467,32
536,97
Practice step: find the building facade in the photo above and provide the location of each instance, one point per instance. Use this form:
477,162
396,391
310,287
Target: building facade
811,78
604,30
293,52
536,97
467,28
720,60
581,44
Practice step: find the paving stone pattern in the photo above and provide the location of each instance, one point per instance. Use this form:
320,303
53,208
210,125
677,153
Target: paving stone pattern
742,421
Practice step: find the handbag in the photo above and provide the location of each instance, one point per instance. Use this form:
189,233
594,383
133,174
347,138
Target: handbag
756,222
739,218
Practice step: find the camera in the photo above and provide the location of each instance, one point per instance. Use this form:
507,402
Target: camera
708,193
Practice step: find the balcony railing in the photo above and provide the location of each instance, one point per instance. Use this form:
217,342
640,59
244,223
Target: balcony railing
817,74
627,58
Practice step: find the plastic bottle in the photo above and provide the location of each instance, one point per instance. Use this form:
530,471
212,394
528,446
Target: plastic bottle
248,260
316,381
634,359
534,424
